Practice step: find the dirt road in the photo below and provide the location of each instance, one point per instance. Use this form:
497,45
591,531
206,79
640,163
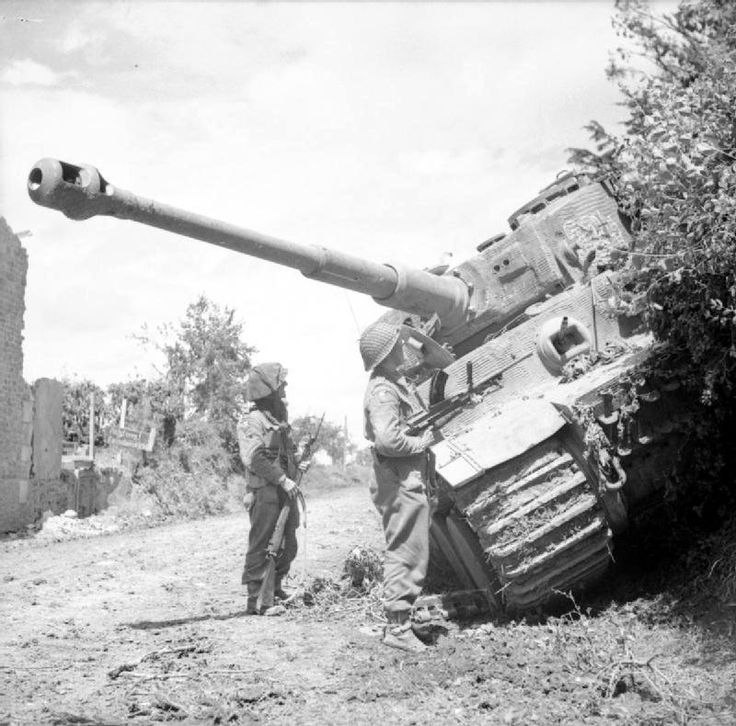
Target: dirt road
149,625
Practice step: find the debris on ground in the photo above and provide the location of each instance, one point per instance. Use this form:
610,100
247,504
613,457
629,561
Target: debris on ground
275,611
363,567
68,525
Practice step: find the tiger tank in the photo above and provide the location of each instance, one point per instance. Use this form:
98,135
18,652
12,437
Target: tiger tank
550,437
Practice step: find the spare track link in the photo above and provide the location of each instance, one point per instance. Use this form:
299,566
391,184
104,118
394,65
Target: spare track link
540,526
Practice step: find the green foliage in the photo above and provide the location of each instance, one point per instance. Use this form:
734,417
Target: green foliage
674,170
193,477
206,366
76,409
155,395
208,362
199,448
331,439
197,401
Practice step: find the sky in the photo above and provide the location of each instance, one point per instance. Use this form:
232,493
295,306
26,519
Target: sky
394,131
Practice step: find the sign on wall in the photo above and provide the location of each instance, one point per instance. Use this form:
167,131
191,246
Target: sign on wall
133,438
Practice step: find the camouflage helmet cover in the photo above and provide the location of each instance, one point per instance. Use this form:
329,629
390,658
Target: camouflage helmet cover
264,379
376,342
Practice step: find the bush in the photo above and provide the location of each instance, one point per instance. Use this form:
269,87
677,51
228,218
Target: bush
674,169
193,477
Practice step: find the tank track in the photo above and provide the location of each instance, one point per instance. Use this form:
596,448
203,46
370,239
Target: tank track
540,527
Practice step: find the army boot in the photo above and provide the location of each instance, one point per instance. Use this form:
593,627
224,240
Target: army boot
279,593
398,633
251,604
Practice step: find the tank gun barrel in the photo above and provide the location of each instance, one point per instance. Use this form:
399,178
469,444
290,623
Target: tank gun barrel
81,192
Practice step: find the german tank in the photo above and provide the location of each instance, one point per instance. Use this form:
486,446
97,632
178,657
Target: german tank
552,438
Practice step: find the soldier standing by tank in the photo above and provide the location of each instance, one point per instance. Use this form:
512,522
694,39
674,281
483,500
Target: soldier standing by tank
400,466
269,456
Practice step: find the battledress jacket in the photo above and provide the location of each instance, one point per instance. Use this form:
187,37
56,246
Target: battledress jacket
266,449
387,406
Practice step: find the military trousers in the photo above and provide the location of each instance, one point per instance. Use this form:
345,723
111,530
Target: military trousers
264,508
399,494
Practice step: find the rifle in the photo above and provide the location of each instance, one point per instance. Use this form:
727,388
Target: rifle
276,543
442,410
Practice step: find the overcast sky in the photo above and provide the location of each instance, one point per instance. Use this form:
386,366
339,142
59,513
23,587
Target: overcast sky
392,131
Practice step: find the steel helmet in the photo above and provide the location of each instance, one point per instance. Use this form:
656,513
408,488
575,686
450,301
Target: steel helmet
376,342
264,379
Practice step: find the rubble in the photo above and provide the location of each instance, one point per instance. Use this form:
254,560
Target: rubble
55,528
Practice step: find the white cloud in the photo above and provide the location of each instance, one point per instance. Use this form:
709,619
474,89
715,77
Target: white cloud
79,36
438,162
27,72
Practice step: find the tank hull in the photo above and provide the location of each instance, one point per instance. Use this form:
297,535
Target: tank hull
546,477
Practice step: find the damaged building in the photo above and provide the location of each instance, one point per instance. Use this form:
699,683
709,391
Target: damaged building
32,480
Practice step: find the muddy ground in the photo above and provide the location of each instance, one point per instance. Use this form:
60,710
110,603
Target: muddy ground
149,625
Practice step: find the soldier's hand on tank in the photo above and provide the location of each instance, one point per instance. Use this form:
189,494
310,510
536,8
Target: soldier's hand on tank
428,438
288,486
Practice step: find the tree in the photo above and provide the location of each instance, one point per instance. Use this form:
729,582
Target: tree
206,363
205,370
331,439
138,393
674,168
147,402
76,408
676,177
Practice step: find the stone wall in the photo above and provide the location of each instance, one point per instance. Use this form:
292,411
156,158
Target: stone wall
16,407
48,432
86,491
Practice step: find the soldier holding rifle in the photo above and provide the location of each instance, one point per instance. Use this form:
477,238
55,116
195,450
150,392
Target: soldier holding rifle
400,466
269,456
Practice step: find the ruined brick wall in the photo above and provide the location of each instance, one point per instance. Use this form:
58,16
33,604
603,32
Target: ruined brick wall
16,408
31,432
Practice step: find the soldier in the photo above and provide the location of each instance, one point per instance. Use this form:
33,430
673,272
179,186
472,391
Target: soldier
268,454
400,466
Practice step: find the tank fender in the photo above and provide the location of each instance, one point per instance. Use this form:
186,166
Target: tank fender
497,437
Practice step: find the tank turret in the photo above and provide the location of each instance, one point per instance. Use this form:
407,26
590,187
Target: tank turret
549,442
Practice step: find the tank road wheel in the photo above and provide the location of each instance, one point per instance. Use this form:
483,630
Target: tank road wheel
539,524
